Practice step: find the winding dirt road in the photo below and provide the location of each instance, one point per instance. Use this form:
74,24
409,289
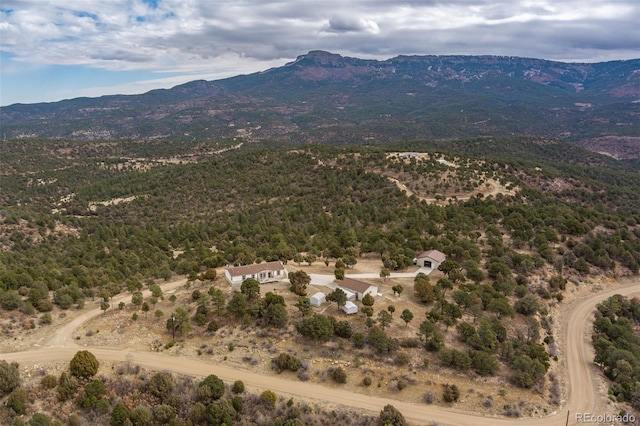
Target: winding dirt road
582,392
495,189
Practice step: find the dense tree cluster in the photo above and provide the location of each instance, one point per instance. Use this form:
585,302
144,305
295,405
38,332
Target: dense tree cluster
617,346
318,327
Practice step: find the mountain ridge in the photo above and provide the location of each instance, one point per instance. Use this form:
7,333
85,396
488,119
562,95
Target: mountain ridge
404,97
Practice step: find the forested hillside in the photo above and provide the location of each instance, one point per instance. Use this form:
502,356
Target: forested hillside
60,229
524,223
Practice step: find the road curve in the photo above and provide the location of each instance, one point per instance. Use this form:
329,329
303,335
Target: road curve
63,336
582,392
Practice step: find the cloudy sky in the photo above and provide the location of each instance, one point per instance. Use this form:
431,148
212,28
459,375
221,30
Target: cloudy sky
59,49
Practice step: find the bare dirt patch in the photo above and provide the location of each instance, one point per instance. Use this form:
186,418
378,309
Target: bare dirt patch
368,264
442,180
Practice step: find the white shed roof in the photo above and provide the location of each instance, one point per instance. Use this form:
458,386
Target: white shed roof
317,299
350,308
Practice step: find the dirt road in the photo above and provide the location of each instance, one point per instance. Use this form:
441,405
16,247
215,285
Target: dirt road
62,337
582,392
495,188
330,280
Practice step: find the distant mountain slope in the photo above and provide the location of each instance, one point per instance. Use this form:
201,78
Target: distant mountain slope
326,97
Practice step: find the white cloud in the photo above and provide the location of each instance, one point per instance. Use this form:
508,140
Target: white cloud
177,34
347,24
205,36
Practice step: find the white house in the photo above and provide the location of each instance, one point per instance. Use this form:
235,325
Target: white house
430,259
350,308
318,299
357,287
261,272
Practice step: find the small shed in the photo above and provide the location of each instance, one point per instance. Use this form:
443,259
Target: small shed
350,308
350,294
318,299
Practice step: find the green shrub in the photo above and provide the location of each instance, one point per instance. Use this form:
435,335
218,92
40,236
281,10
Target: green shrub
67,386
210,389
84,364
198,413
220,413
164,413
49,381
161,385
102,406
339,375
10,300
391,416
238,387
92,393
455,358
119,415
358,340
44,305
141,416
318,327
9,377
343,329
237,403
268,398
45,319
286,361
17,401
484,363
402,358
451,393
40,419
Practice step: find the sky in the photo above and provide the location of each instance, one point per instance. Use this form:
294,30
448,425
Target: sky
60,49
